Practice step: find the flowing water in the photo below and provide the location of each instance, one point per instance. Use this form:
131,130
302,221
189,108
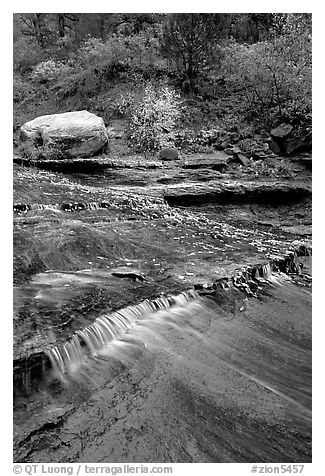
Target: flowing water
93,340
218,377
215,379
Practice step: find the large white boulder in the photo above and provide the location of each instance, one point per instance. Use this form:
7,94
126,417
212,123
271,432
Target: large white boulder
74,134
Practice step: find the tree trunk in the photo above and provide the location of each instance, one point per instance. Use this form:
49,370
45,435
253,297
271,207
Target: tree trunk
61,24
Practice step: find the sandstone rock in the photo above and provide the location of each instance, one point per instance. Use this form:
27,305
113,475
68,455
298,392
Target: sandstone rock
129,273
168,154
73,134
285,140
283,130
232,150
241,159
274,146
237,156
298,143
196,163
216,161
230,191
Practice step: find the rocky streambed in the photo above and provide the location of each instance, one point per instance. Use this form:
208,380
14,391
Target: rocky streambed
225,376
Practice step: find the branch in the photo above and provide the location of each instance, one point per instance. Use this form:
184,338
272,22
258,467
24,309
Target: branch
24,20
74,19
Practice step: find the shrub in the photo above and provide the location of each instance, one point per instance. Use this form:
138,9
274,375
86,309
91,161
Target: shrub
22,90
153,119
274,76
189,41
137,51
94,51
49,71
26,54
28,151
33,152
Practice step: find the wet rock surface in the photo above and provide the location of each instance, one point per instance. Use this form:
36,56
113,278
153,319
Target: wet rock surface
226,381
90,244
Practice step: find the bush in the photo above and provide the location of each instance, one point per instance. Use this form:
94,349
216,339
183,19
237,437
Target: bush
95,51
33,152
153,119
274,76
26,54
22,90
49,71
137,51
189,41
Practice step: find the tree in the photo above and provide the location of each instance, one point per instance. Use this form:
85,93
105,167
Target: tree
254,27
66,22
274,75
34,25
189,40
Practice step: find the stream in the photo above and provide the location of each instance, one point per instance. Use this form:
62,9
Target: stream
158,333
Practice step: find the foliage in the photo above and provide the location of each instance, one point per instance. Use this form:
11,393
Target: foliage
97,64
189,42
153,120
253,66
194,141
124,104
28,151
254,27
33,152
26,54
22,90
274,76
260,168
48,71
95,51
34,25
137,51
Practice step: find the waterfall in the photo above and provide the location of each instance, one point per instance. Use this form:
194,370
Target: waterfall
93,205
265,271
67,358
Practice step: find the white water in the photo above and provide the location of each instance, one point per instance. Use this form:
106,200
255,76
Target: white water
94,339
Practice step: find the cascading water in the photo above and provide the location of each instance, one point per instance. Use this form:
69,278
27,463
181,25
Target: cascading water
67,358
266,271
75,358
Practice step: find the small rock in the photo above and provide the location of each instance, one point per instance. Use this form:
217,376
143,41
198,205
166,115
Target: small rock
242,159
168,154
133,274
259,155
